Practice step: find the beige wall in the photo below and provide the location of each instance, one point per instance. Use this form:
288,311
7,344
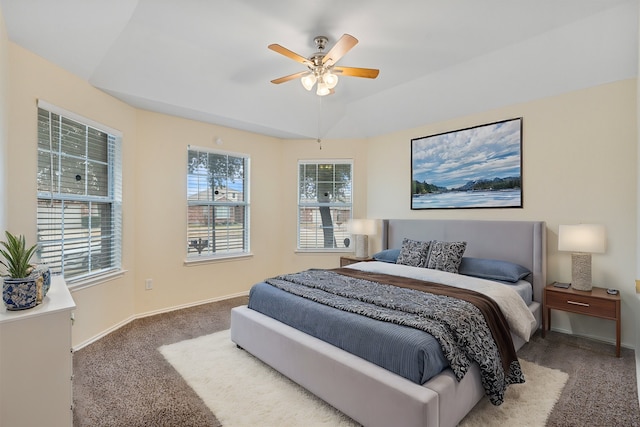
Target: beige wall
154,198
294,150
4,120
579,155
161,213
4,134
31,78
637,260
579,166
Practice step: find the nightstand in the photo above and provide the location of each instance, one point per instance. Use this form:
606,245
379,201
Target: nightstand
597,303
346,260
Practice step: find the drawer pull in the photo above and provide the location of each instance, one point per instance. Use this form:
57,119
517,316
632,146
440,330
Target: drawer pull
577,303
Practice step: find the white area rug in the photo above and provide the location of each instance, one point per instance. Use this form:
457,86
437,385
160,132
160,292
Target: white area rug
242,391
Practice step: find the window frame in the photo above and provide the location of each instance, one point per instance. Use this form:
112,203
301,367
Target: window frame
306,205
226,206
113,198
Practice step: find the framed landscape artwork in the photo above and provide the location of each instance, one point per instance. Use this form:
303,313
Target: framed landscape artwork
476,167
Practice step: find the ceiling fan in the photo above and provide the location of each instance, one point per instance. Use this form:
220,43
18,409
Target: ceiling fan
322,66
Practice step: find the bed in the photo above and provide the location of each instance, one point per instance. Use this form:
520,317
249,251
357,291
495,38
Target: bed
371,394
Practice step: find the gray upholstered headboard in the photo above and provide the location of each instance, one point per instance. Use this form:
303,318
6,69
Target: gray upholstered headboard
522,242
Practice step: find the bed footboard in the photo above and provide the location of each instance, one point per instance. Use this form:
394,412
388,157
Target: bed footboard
367,393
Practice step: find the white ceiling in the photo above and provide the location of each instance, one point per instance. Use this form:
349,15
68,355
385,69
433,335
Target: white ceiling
438,59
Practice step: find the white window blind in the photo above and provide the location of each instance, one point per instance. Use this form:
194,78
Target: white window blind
79,195
217,203
324,204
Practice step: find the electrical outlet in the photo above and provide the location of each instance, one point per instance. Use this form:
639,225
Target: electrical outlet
148,284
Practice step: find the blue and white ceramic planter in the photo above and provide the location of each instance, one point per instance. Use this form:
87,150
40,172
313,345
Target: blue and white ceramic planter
20,294
44,271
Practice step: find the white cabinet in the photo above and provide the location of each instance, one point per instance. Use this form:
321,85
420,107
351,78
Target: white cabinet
36,362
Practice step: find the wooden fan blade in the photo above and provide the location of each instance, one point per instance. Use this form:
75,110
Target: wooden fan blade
369,73
342,46
289,77
289,54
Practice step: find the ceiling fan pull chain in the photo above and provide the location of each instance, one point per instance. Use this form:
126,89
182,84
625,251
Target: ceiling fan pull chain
319,118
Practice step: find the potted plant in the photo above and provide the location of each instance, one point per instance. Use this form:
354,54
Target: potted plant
20,289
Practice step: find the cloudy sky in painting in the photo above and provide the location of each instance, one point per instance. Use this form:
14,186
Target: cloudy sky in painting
452,159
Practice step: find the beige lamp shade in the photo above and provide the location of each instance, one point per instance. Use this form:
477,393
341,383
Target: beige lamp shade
362,226
589,238
582,240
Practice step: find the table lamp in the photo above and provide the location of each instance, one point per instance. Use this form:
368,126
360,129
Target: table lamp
582,240
361,229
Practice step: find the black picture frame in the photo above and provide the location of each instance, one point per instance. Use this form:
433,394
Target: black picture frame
471,168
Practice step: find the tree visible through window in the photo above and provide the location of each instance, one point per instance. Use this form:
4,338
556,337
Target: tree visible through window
79,195
217,203
324,204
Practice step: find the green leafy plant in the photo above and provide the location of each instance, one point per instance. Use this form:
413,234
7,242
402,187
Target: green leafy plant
17,256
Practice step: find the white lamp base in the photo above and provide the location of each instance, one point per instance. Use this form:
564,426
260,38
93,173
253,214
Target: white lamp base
362,246
581,271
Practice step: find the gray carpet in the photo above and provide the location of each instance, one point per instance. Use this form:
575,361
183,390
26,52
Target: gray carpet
601,390
123,380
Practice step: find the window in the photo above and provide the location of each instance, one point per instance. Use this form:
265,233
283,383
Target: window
324,204
217,203
79,195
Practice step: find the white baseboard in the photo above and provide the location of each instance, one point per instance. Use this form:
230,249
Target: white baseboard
152,313
191,304
592,337
103,333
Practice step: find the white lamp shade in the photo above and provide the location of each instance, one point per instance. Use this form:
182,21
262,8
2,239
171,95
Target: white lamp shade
330,79
308,80
589,238
322,89
362,226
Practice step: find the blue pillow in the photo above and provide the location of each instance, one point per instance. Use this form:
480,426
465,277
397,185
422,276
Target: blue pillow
493,269
387,255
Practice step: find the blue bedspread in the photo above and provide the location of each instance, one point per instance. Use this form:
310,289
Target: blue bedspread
409,352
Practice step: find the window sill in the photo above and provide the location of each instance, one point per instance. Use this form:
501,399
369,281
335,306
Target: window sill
223,258
93,281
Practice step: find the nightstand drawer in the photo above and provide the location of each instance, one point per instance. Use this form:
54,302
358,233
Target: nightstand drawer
584,304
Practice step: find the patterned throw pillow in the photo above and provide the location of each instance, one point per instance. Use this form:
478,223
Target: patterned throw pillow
413,253
446,256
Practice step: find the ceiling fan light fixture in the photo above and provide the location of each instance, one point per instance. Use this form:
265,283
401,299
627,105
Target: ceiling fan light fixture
323,89
320,65
308,80
330,79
